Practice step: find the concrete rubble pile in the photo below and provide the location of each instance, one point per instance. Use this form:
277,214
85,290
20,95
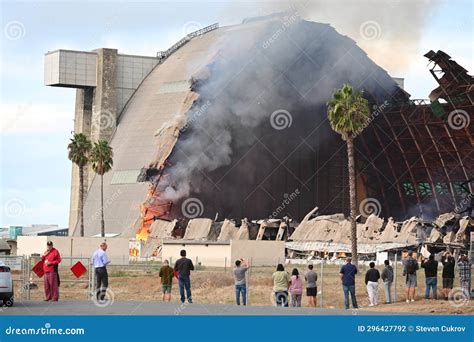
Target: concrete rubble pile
331,233
198,229
318,234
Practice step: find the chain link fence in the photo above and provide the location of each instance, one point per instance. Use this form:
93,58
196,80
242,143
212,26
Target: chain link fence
213,284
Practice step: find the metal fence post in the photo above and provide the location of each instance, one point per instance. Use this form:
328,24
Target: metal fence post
225,264
248,279
25,282
91,281
322,282
28,276
395,278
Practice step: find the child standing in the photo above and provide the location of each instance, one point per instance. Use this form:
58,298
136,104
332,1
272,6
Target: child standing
296,288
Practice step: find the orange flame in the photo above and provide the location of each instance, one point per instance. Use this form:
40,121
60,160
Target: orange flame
153,207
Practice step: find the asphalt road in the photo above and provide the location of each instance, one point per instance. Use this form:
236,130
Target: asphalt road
136,308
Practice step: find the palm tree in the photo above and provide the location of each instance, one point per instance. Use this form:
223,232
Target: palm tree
348,113
101,159
79,149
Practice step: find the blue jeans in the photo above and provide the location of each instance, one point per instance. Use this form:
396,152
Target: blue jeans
388,288
431,283
185,283
238,290
352,290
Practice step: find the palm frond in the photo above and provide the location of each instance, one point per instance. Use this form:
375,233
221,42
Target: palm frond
102,157
348,111
79,149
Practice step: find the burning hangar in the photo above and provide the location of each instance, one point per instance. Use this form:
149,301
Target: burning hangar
230,122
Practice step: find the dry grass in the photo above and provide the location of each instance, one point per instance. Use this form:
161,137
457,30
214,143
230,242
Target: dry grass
217,287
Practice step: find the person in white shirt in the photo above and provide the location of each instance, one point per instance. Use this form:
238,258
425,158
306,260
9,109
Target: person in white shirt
100,260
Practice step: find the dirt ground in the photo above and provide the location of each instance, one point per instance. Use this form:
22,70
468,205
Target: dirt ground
216,286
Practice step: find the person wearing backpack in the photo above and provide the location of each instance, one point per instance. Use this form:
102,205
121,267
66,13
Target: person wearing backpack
387,278
411,266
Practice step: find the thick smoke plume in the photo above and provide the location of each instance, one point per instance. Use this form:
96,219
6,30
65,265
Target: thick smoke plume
259,126
388,30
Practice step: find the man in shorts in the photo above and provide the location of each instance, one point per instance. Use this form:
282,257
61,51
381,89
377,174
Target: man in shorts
311,288
166,274
409,270
448,273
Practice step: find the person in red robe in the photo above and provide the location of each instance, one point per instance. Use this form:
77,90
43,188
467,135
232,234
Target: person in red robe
51,258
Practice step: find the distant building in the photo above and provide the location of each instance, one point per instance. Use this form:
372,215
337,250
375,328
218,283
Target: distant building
11,233
4,247
51,231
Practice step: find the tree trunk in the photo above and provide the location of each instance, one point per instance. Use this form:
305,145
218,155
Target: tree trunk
102,222
81,198
352,198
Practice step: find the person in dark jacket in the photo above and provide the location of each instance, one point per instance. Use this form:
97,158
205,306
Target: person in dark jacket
348,273
372,281
387,278
184,266
448,273
431,276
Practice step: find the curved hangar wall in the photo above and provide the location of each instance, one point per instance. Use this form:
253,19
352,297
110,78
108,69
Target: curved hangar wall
240,75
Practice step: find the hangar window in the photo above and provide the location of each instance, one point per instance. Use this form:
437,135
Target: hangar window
409,189
460,188
425,189
174,87
125,177
442,188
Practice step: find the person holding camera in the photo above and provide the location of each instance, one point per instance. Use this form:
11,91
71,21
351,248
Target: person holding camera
448,273
240,270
